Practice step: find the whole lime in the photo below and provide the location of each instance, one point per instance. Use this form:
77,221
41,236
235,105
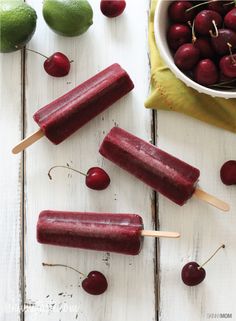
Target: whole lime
17,24
68,17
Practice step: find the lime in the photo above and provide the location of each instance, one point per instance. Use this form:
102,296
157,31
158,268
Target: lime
17,24
68,17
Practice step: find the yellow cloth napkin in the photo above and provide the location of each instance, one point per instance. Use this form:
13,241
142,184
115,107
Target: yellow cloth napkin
169,93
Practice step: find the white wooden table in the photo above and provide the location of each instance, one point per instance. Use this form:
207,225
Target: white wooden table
147,287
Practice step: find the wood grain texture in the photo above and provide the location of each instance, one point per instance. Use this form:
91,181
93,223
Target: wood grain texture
55,293
203,227
10,186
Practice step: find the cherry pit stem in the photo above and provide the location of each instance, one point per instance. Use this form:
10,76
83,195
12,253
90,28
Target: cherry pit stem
220,247
231,53
194,38
67,167
63,265
200,4
214,34
36,52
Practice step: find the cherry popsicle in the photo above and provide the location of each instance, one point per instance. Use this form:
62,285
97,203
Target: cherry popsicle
65,115
165,173
109,232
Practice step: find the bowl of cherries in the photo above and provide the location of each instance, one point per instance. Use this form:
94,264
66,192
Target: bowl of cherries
197,41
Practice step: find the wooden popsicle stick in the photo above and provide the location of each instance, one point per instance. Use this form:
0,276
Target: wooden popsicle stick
212,200
160,234
28,141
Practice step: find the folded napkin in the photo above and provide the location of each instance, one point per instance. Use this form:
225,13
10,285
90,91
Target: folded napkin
170,93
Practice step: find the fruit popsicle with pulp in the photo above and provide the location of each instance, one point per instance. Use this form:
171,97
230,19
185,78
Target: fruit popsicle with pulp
65,115
163,172
120,233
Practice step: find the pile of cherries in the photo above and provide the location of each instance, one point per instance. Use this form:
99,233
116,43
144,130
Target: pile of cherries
202,37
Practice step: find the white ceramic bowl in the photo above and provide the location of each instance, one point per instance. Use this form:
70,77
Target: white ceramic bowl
161,23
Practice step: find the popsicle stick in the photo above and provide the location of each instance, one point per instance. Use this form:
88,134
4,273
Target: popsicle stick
160,234
212,200
28,141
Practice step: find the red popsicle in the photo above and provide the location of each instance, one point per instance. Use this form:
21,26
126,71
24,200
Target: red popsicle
65,115
120,233
165,173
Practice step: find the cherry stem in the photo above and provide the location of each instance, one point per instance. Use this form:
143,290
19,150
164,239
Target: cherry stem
216,30
229,3
67,167
221,247
65,266
224,83
200,4
231,53
36,52
194,38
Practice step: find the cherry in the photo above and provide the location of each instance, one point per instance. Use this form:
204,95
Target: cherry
206,72
220,43
206,21
57,65
192,273
94,283
177,35
230,19
228,173
96,177
112,8
228,66
222,7
186,56
178,11
205,47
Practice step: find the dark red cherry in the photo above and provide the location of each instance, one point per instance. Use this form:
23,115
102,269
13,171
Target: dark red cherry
228,66
205,47
177,35
205,22
228,173
177,11
95,283
112,8
206,72
192,274
230,19
220,43
222,7
97,178
186,57
57,65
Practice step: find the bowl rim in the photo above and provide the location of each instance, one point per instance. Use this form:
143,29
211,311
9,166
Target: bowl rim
176,71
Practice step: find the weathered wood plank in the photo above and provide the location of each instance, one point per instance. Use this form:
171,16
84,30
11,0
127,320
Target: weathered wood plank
203,228
131,279
10,186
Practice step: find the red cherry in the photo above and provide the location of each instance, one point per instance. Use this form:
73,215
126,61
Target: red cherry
192,274
112,8
57,65
205,47
228,173
228,66
95,283
222,7
224,37
186,56
230,19
97,178
177,11
177,35
206,21
206,73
